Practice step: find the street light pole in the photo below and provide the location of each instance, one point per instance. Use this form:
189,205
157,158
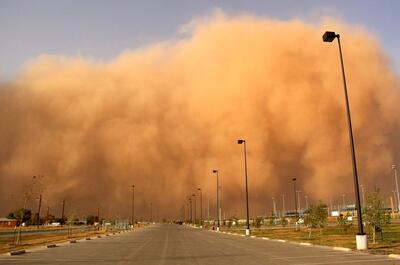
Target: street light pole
195,208
133,206
201,207
283,204
191,212
395,200
299,201
218,223
306,200
241,141
397,186
295,197
361,237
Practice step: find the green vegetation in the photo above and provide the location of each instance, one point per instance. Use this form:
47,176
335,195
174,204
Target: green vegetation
316,217
375,215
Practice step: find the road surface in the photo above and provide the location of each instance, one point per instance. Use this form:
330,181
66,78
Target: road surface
176,245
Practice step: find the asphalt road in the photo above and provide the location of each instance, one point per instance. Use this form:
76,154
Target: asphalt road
175,245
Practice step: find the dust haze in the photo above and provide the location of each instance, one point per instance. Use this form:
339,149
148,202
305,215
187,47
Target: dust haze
164,116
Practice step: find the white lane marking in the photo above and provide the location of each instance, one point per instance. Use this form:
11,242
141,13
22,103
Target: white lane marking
164,250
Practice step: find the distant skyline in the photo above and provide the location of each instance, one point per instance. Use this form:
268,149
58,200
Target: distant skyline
101,30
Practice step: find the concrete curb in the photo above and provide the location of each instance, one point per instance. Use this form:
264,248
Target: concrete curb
17,252
341,249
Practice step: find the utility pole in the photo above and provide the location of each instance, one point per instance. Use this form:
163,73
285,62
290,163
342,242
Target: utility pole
208,207
274,206
133,206
47,215
201,207
40,205
151,212
62,213
397,186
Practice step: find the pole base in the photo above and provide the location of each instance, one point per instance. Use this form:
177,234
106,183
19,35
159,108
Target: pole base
217,229
361,242
247,232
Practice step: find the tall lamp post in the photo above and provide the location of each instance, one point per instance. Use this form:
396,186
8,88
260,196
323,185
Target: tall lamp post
295,197
191,212
201,207
361,237
241,141
218,223
195,208
397,186
133,207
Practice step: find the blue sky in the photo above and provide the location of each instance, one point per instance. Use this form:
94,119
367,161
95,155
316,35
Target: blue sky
103,29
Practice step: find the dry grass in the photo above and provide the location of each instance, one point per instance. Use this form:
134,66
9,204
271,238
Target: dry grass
28,241
331,236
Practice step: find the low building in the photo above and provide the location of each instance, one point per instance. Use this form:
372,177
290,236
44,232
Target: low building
6,222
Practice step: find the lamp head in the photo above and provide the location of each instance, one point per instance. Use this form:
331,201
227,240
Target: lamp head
329,36
215,171
294,179
241,141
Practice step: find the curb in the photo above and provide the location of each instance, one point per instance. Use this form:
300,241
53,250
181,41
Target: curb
341,249
17,252
394,256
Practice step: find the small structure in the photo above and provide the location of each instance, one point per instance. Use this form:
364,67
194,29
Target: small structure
6,222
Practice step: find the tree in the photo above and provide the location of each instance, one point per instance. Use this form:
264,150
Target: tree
26,215
284,221
316,216
90,219
343,223
258,221
374,211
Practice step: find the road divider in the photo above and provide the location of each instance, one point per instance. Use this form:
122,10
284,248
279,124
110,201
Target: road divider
17,252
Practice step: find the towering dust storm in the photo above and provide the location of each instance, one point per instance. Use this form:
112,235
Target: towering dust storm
164,116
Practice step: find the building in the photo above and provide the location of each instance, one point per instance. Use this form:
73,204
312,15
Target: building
5,222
